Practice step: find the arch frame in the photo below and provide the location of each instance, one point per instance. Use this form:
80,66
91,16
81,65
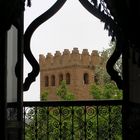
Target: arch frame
96,8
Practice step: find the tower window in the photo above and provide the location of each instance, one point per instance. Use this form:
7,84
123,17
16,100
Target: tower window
52,80
86,78
46,81
60,78
67,78
96,79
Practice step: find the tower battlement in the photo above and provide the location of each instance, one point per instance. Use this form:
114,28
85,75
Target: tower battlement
67,58
76,68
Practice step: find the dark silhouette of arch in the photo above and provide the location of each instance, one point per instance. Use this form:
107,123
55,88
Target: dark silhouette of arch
95,9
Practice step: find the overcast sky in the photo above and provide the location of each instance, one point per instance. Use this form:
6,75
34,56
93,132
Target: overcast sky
72,26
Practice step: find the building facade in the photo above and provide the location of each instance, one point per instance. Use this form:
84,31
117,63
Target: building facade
75,68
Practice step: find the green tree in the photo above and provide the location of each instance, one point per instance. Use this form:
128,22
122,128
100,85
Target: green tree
64,93
106,91
104,87
44,95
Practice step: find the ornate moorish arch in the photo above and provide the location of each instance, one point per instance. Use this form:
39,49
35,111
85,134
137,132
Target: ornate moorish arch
97,8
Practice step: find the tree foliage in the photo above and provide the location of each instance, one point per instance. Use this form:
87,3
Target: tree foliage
63,92
106,91
44,95
104,87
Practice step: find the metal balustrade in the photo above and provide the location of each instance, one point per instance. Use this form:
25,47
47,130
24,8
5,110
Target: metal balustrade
73,120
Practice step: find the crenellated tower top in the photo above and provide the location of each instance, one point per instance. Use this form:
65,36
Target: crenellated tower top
68,58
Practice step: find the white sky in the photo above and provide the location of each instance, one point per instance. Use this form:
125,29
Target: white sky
72,26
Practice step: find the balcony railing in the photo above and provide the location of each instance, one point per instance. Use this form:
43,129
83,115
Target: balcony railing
73,120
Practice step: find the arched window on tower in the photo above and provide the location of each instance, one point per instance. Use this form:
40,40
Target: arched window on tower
67,78
96,79
86,78
60,78
46,81
52,80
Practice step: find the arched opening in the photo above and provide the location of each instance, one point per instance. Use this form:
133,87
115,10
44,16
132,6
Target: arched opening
86,78
74,27
46,81
52,80
96,79
60,78
68,78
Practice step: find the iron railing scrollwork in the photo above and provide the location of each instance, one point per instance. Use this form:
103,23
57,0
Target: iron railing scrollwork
73,120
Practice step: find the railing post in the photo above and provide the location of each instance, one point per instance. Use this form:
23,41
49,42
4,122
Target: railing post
97,113
20,76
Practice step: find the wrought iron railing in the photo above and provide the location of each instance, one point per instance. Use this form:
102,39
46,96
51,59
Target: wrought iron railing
73,120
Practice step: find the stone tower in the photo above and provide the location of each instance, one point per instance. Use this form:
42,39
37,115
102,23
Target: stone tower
75,68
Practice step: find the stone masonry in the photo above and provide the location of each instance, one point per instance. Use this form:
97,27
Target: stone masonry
75,68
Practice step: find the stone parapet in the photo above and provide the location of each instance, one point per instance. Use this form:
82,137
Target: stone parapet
68,58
